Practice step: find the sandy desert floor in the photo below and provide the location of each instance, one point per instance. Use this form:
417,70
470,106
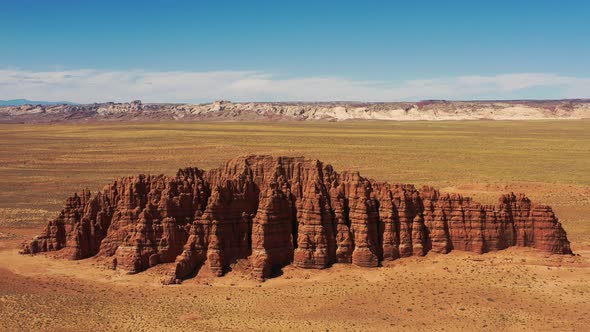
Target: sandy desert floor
517,289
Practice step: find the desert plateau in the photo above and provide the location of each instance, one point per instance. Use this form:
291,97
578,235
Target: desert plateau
513,289
294,166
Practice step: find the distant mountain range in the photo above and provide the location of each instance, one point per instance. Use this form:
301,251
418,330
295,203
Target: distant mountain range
290,111
18,102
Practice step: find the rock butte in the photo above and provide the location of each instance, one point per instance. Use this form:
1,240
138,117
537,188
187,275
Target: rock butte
276,211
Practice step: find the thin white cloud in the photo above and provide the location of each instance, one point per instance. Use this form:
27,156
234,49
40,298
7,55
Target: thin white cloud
89,85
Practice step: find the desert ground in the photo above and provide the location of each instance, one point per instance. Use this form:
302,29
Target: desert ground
516,289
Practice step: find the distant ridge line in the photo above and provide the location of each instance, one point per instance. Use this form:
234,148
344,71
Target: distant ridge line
223,110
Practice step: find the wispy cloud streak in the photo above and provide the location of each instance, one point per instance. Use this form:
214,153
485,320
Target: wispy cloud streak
89,85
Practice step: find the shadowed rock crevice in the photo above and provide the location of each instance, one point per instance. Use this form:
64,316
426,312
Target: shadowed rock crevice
276,211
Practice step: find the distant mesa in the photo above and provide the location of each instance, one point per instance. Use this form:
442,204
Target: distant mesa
223,110
277,211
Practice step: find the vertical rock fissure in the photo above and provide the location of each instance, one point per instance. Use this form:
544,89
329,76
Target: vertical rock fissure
380,227
294,221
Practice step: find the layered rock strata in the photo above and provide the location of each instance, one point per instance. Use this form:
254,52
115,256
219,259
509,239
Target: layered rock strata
300,111
276,211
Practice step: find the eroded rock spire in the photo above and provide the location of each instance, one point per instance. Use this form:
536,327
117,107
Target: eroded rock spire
276,211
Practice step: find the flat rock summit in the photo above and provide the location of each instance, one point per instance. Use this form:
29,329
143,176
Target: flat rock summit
276,211
327,111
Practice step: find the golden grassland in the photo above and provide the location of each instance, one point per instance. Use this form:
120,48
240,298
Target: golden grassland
40,165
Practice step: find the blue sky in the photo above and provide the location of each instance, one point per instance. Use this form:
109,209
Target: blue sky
193,51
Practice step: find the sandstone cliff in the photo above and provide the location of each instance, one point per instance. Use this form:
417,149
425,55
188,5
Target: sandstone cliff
328,111
276,211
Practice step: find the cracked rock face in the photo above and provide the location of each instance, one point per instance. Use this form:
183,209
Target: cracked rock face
276,211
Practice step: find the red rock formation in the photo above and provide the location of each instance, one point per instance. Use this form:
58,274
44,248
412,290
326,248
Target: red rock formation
364,220
276,211
272,231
